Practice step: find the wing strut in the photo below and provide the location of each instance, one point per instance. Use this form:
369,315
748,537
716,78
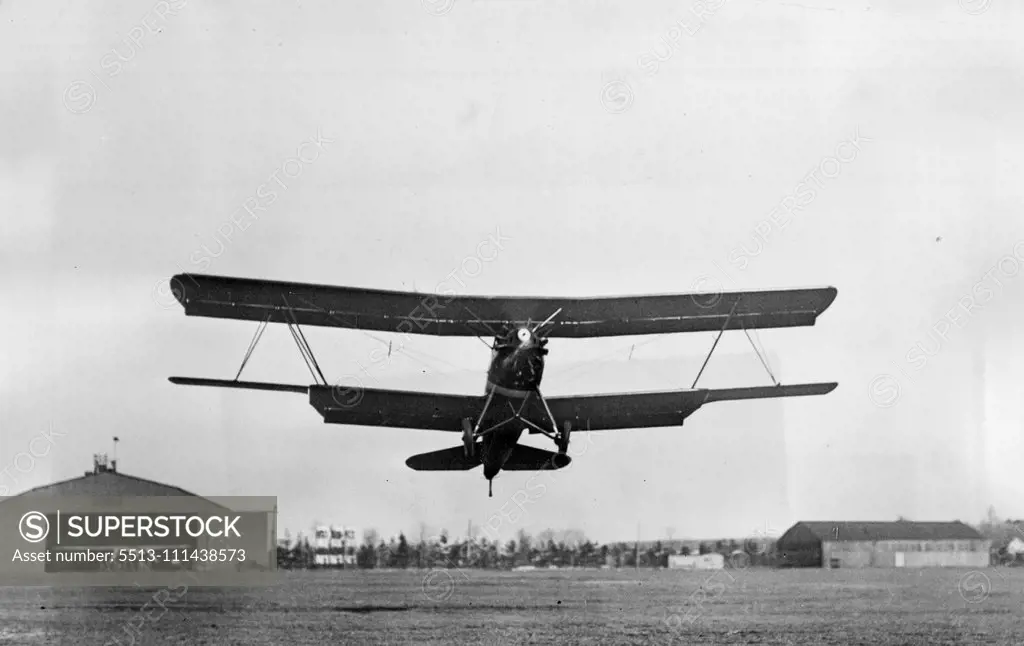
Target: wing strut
757,350
764,360
307,353
304,349
477,319
718,338
489,329
252,346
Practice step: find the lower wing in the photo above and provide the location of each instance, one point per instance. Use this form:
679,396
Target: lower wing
443,412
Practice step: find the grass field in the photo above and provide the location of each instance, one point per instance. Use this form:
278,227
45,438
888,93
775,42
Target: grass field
755,606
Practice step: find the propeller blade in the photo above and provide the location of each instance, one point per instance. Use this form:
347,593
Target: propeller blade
546,321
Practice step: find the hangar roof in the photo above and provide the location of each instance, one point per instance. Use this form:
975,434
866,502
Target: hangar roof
107,483
105,480
901,530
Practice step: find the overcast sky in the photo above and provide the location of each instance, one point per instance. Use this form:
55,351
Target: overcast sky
608,148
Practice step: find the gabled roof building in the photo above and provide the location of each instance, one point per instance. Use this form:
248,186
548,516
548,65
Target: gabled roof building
883,544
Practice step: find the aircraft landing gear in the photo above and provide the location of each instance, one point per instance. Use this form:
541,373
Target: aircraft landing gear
468,440
563,438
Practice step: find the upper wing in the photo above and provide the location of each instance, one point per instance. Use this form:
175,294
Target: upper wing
451,315
442,412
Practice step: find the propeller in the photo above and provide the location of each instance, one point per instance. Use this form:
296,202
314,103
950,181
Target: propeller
545,322
526,332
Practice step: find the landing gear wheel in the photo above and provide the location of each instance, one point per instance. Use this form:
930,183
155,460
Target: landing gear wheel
468,445
563,439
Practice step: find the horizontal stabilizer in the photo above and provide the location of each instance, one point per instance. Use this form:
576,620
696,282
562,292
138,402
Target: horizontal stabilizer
453,459
528,458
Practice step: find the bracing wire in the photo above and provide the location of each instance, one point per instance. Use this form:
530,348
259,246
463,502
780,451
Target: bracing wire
764,361
252,346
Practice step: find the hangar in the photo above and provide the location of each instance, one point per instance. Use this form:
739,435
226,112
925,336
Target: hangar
104,480
901,543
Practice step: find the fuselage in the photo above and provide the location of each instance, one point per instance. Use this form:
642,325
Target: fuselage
516,370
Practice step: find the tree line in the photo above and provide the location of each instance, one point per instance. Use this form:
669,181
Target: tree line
443,551
572,549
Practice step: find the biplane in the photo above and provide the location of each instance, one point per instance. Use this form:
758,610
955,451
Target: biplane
512,403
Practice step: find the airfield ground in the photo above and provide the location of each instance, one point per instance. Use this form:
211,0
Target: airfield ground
754,606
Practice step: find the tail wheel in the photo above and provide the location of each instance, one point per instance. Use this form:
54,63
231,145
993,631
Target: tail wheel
467,437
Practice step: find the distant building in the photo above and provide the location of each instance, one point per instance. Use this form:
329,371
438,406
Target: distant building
697,562
103,481
334,546
1015,547
883,544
